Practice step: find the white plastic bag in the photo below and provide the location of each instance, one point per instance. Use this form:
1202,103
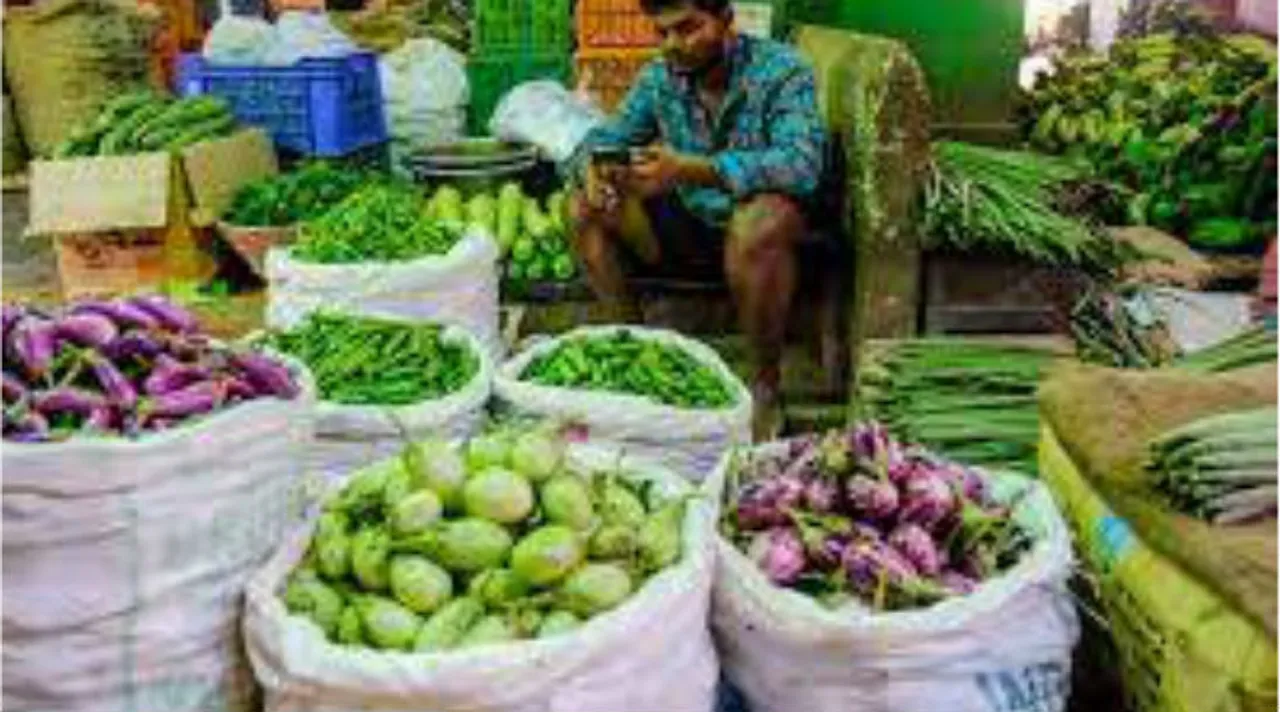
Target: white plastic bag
425,75
306,35
424,85
459,288
652,653
547,115
124,561
351,436
688,441
238,41
1007,646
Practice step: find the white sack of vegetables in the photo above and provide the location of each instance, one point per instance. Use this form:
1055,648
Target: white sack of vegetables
380,380
148,472
652,391
856,574
378,252
514,572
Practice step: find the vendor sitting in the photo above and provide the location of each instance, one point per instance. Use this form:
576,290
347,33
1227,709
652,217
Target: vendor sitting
711,162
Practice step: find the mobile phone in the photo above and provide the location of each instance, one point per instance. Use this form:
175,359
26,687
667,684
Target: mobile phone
611,156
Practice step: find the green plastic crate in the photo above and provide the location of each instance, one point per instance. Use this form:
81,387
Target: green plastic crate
522,26
493,75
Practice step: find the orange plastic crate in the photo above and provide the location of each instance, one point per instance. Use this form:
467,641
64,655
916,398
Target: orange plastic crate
614,23
607,74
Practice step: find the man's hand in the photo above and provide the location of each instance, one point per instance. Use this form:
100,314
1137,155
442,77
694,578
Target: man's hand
658,170
602,190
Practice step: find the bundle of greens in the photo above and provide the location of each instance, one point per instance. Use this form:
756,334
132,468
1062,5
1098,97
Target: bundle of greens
1006,202
289,198
1186,120
1119,328
1248,348
971,401
366,361
385,222
1221,468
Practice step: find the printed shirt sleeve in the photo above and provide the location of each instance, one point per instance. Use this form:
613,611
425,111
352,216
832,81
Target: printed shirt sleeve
635,123
791,162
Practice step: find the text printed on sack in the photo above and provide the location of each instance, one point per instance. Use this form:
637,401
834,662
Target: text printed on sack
1035,688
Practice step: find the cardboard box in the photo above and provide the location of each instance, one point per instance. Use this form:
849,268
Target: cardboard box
110,263
128,202
147,190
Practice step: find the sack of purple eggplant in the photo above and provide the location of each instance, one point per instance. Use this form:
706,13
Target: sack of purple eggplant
857,573
148,470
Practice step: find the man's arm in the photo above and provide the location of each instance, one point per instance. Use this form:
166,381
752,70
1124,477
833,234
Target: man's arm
792,162
634,124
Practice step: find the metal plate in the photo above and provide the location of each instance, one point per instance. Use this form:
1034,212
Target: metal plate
473,154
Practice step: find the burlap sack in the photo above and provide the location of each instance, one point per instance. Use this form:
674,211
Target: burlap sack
1105,418
64,58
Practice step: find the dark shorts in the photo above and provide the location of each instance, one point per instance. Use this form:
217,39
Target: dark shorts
691,248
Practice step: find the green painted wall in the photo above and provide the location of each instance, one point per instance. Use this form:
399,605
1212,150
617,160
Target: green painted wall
970,49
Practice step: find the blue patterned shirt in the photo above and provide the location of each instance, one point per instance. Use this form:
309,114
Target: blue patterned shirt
766,137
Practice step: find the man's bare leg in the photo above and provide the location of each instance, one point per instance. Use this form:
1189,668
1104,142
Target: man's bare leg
596,243
761,267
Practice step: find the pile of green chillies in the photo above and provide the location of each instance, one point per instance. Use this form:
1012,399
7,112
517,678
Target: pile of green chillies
369,361
624,363
384,222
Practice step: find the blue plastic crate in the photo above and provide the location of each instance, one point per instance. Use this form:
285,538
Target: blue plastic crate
317,107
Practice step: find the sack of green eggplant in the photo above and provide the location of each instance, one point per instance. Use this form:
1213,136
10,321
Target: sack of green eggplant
144,491
1188,123
655,392
380,380
533,235
513,571
381,252
836,548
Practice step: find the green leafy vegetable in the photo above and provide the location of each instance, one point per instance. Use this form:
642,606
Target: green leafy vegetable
293,197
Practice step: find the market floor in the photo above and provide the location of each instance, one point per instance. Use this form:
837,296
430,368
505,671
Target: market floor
30,270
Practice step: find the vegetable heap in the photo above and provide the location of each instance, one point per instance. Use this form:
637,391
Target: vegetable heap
855,514
1187,121
1248,348
499,540
383,222
139,122
289,198
122,368
622,362
1005,202
535,240
1221,468
969,400
1121,329
367,361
